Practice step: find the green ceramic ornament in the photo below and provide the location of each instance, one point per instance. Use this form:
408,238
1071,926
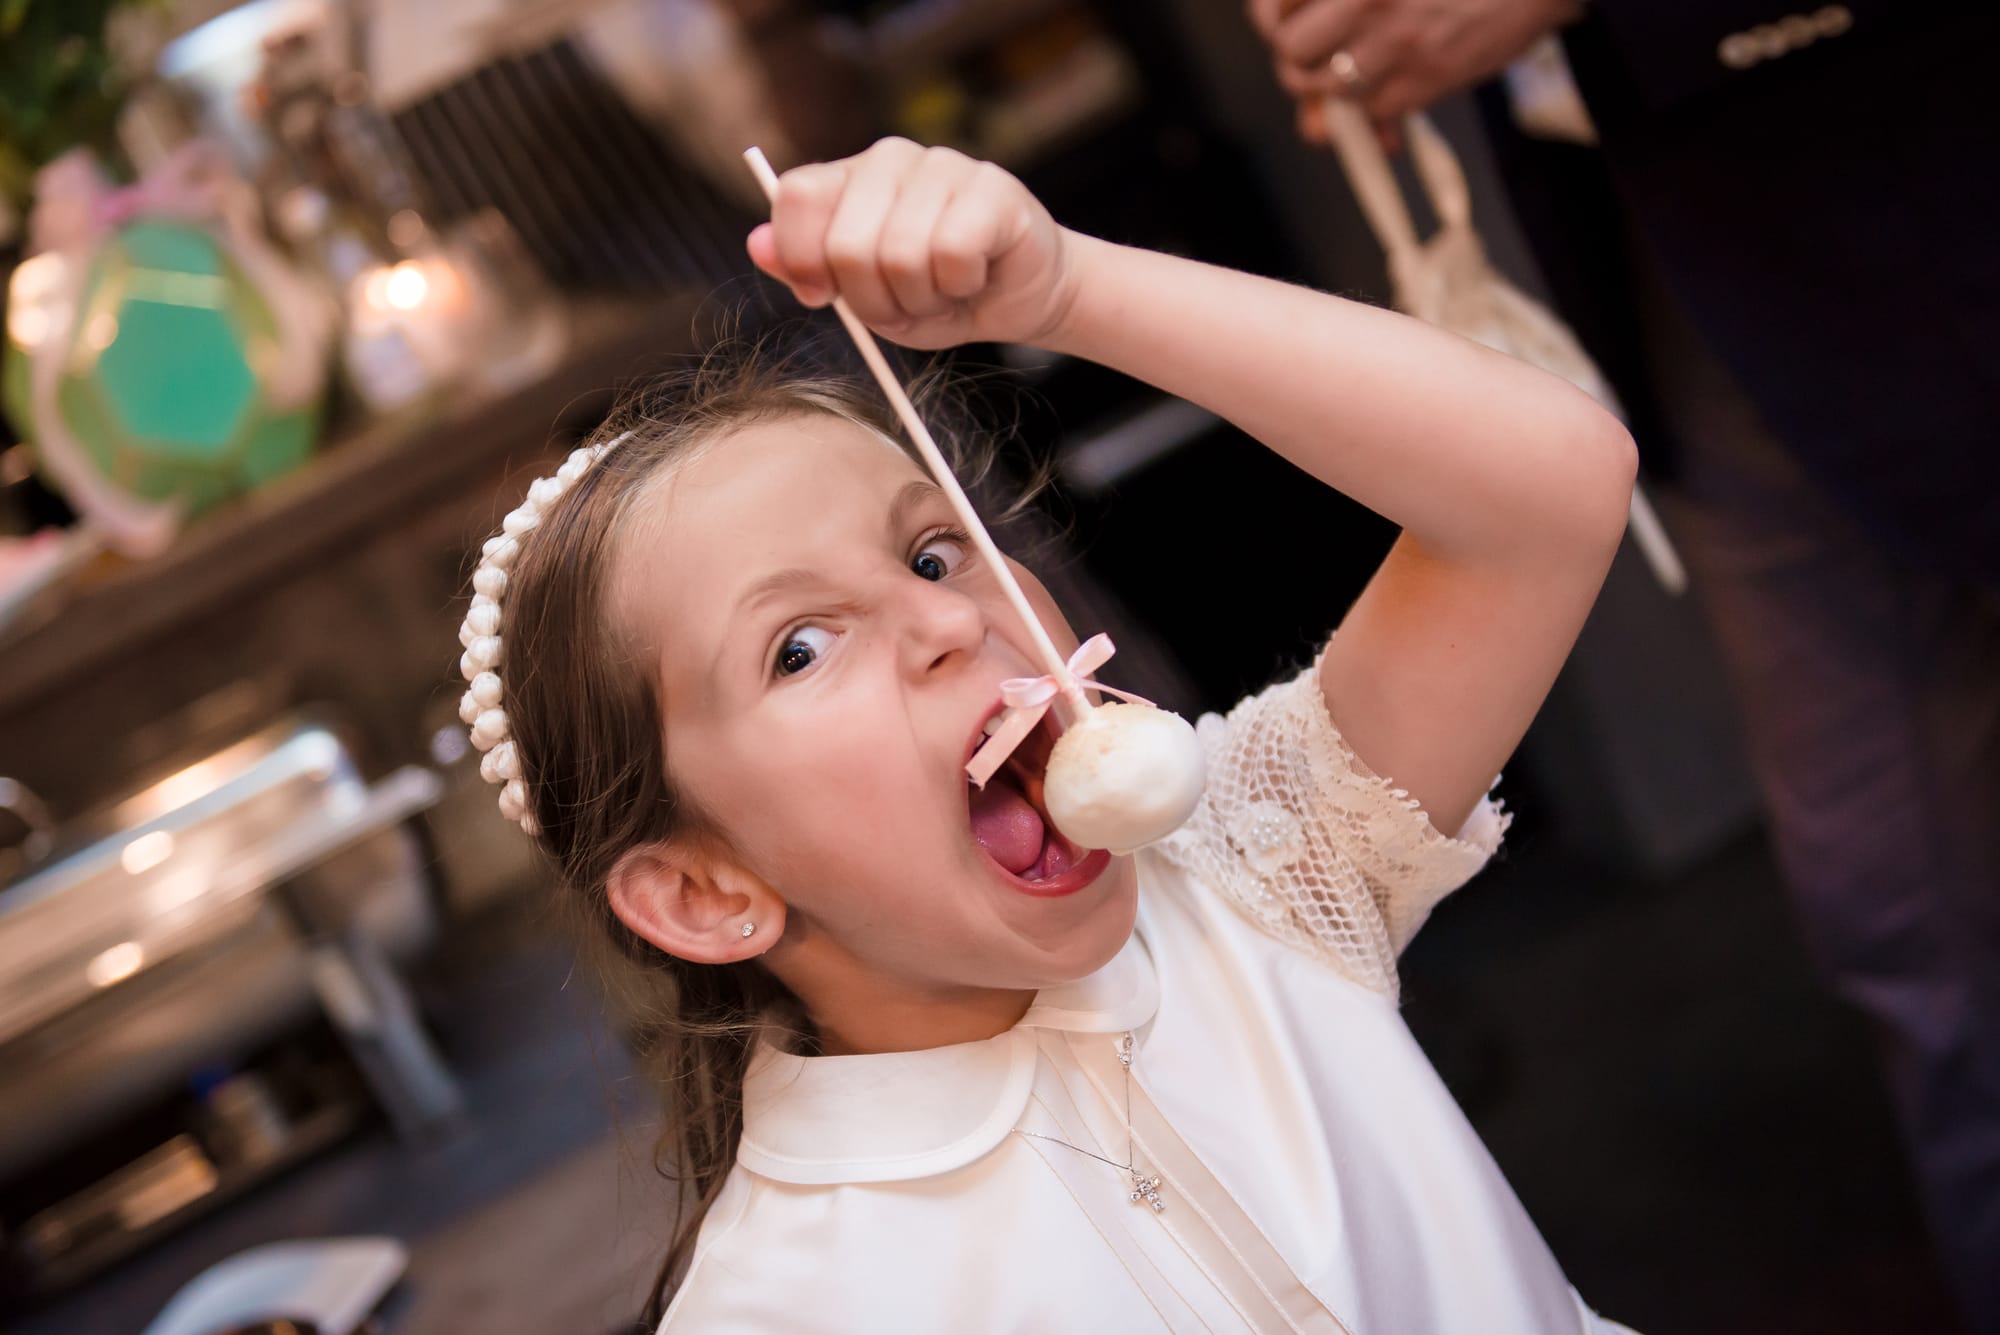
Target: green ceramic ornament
163,374
161,355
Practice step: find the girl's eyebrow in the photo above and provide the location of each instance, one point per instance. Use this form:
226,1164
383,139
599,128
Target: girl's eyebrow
910,496
773,584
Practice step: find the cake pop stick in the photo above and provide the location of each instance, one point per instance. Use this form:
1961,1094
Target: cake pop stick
1071,704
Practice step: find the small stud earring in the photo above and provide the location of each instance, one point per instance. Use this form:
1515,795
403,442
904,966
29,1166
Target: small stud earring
749,928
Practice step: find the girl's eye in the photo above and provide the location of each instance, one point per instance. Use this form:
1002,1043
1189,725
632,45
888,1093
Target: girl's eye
940,556
801,649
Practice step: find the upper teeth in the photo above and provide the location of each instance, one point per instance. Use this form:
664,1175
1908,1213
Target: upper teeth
993,724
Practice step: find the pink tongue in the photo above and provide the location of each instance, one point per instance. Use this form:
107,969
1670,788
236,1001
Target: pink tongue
1006,826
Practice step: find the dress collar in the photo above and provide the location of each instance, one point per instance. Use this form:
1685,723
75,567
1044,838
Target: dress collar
895,1116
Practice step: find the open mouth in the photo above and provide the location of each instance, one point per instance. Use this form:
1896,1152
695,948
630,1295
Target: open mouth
1012,826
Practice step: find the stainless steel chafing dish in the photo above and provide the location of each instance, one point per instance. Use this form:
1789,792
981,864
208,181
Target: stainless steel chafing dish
205,914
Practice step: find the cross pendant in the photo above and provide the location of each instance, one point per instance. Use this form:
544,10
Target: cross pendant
1146,1189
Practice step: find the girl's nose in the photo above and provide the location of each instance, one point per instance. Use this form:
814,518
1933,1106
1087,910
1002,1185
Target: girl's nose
942,628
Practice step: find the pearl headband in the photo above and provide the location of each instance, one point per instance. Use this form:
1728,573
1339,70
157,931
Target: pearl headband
480,633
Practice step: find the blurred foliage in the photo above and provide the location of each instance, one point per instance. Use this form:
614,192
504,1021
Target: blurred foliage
60,84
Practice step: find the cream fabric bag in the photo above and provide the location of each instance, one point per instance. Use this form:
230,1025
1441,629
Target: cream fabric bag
1446,281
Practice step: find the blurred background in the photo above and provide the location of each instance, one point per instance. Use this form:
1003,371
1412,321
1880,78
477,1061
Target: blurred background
301,293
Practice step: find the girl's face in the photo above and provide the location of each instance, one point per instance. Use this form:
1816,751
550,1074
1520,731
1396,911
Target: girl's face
828,645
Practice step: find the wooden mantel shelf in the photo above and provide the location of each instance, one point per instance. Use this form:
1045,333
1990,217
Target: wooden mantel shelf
355,483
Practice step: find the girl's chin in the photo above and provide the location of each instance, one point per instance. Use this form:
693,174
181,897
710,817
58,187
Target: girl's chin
1075,935
1091,943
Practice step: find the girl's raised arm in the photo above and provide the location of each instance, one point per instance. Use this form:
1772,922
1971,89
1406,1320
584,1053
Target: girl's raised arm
1510,485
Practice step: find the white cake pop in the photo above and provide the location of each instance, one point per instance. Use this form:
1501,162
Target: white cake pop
1123,776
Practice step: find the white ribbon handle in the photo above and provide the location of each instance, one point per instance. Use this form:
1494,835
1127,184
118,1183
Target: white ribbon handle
1428,274
1368,172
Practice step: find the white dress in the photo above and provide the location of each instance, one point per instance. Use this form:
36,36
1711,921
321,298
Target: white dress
1315,1174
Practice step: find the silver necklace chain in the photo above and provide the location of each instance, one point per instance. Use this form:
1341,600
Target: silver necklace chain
1145,1187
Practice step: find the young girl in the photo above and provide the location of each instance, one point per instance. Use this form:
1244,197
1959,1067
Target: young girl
929,1066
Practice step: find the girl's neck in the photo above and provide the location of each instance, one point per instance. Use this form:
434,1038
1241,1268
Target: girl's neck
873,1019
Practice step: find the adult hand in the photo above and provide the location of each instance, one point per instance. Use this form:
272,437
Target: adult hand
1398,56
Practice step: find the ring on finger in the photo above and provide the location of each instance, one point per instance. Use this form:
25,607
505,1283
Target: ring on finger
1343,66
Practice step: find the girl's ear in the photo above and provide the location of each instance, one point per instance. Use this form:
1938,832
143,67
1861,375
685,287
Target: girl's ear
694,905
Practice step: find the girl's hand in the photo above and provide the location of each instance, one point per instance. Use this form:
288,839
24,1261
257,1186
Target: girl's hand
929,247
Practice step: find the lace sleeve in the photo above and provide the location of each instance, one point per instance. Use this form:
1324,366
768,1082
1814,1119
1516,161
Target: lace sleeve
1311,845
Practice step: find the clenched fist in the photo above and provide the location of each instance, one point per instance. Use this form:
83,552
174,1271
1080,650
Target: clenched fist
929,247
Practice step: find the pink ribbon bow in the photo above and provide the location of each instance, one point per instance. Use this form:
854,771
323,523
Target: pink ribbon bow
187,184
75,202
1028,698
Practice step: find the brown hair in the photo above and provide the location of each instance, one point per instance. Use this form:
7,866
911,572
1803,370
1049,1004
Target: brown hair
587,725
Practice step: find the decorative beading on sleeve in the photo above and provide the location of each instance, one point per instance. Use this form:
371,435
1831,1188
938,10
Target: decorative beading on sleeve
1314,847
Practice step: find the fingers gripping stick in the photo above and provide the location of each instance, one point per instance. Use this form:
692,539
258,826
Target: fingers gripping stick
1120,777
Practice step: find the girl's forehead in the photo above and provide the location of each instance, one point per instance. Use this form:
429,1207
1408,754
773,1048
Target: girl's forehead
792,492
811,460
